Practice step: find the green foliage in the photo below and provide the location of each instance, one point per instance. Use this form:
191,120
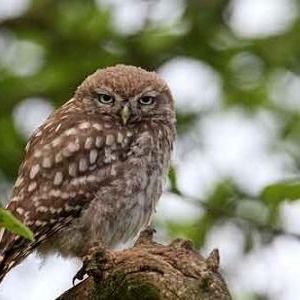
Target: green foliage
8,221
173,180
275,194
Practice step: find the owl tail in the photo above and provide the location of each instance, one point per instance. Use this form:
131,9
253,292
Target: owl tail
7,262
10,255
4,266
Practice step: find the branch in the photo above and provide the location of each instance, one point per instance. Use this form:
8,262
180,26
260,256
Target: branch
152,271
276,231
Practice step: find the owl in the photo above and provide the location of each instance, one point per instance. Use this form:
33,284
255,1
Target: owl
94,170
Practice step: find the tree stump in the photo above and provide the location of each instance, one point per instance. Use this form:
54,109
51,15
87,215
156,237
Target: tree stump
153,271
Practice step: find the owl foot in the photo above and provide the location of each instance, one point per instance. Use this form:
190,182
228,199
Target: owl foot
95,262
79,275
146,236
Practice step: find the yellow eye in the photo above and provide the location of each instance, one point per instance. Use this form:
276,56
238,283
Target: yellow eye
147,100
105,99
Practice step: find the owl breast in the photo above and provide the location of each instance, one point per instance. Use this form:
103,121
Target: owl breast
123,203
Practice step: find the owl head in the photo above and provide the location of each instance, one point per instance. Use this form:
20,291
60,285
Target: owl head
126,94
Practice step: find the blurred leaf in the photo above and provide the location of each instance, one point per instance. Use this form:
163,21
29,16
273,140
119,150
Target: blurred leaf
274,194
223,199
173,181
8,221
185,230
249,241
11,149
185,122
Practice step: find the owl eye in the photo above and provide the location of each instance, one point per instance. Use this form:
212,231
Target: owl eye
147,100
105,99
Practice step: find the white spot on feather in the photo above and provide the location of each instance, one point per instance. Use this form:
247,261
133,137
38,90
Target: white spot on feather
98,142
54,193
20,210
37,153
47,162
71,131
19,181
58,127
42,209
32,186
120,137
129,133
109,139
88,143
83,164
93,156
66,152
97,126
34,171
74,146
56,142
1,235
58,157
27,146
73,169
38,133
84,125
58,179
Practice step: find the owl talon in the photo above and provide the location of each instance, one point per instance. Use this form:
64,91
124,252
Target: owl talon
146,236
80,274
97,260
89,267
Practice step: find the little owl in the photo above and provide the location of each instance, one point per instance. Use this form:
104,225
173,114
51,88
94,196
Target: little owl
94,170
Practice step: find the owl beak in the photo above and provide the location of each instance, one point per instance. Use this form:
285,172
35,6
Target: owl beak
125,114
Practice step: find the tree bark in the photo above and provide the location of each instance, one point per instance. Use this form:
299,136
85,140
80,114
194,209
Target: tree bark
153,271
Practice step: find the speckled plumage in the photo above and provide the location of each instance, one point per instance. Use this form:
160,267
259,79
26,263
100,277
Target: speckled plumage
89,176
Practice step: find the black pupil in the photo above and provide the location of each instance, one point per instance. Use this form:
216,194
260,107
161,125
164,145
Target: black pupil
147,100
106,98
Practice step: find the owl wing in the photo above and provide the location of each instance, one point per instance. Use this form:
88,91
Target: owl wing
58,179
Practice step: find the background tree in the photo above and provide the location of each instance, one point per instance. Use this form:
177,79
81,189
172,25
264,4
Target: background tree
234,69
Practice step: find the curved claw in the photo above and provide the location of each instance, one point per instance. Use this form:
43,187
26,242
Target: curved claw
93,262
80,274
